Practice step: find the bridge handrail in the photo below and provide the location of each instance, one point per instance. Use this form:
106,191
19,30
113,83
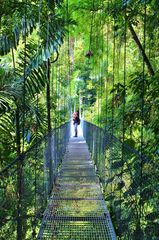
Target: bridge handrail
38,142
106,132
26,184
128,180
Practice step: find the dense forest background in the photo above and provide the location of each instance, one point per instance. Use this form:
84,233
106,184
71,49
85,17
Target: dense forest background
98,56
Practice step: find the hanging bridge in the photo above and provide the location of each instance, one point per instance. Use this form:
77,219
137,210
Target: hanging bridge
94,187
76,208
59,188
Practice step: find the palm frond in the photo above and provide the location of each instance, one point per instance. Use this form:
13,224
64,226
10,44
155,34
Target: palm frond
35,72
6,124
9,93
11,40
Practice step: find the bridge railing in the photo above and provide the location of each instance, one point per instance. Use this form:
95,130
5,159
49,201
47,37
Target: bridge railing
25,185
129,181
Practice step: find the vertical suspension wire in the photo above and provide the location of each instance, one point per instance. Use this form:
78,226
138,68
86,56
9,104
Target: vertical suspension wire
142,112
95,79
98,38
102,26
53,88
68,60
20,173
55,91
52,78
107,77
99,43
24,81
57,112
98,93
91,27
59,90
58,105
48,73
107,66
90,52
91,46
58,87
124,79
102,90
66,89
64,102
101,61
123,110
113,72
97,72
37,107
56,121
112,104
97,65
106,97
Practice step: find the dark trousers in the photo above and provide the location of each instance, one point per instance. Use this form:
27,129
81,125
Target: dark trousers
75,128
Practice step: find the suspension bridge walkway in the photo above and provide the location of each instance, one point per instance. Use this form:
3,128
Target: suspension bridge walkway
76,209
54,189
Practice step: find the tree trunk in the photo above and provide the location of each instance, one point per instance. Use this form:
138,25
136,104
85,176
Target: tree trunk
19,169
17,132
136,39
19,180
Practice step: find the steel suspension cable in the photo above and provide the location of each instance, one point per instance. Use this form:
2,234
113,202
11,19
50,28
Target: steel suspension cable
91,43
91,27
68,60
48,75
90,52
37,112
59,89
102,94
107,72
142,112
66,89
24,80
52,78
20,163
123,110
112,102
113,72
56,120
106,97
97,67
101,61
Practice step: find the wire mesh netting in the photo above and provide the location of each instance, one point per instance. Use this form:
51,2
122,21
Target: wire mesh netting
76,209
26,183
77,230
129,180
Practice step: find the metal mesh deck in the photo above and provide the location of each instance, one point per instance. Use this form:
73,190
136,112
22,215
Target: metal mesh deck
76,209
77,230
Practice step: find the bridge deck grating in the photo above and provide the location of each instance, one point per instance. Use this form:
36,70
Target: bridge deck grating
78,230
76,209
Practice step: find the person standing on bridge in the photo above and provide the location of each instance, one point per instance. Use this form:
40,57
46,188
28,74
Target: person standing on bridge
76,122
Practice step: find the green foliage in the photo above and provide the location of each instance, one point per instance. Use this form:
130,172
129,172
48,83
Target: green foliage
125,110
32,33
